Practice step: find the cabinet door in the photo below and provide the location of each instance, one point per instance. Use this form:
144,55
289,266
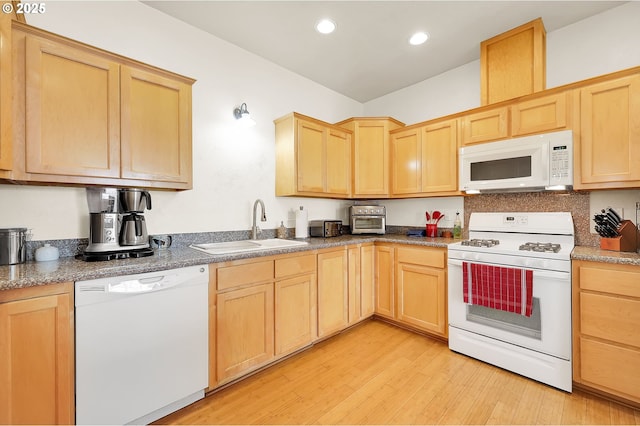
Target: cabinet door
6,134
440,157
156,127
367,273
355,284
311,156
421,297
539,115
513,63
338,167
295,313
36,361
610,134
333,298
485,126
371,159
384,281
73,107
406,157
245,330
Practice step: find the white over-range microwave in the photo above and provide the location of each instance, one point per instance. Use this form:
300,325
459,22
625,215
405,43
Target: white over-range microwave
530,163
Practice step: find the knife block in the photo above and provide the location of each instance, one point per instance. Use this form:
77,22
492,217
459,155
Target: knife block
626,241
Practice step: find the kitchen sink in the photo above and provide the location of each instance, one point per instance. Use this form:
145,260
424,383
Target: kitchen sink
242,246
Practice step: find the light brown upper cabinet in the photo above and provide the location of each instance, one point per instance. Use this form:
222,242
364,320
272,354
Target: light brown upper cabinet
545,113
313,158
370,149
440,157
608,152
6,160
405,164
85,116
73,108
424,159
155,126
513,64
484,126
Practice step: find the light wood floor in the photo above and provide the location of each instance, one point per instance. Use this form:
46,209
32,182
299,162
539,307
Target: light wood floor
376,373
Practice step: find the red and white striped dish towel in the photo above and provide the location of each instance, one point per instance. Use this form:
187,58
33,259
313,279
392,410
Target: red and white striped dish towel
497,287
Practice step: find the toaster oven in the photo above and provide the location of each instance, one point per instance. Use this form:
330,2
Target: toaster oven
368,219
325,228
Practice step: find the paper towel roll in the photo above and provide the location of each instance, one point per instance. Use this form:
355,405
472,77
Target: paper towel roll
302,223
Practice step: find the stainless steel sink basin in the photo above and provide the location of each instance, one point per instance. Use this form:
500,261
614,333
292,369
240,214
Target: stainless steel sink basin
242,246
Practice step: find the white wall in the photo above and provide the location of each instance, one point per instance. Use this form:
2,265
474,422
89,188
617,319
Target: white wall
232,166
597,45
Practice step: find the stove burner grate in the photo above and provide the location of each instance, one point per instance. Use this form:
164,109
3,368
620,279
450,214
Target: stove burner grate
480,243
541,247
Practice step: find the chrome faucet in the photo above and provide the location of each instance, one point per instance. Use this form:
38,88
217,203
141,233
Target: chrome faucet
254,228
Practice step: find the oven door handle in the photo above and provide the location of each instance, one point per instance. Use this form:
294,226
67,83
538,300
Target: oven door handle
539,273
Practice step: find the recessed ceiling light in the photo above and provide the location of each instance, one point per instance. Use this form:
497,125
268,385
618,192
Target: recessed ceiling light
325,26
418,38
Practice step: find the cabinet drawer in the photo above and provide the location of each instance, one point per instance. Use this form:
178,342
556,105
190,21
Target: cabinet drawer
422,256
295,265
244,274
623,280
610,366
610,318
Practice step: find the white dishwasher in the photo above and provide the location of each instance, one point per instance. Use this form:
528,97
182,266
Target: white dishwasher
141,345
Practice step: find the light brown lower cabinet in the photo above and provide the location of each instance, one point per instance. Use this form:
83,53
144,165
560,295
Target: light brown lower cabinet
384,279
333,291
245,329
36,355
259,310
361,287
606,316
296,324
411,284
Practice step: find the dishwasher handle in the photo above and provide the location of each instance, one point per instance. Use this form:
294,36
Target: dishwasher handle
142,285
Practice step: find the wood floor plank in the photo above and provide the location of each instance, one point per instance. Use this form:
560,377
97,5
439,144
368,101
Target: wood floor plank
376,373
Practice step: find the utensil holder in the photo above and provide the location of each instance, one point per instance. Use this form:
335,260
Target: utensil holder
432,230
626,241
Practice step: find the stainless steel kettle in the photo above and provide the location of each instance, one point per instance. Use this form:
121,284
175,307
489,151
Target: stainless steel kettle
133,200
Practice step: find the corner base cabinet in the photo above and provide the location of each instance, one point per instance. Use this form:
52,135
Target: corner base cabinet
36,355
606,317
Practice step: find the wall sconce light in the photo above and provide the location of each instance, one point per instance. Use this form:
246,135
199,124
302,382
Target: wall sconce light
243,116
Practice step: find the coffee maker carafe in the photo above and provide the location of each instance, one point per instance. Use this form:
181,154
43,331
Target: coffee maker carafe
116,226
133,203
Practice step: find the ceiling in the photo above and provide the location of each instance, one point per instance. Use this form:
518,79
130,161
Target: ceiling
368,55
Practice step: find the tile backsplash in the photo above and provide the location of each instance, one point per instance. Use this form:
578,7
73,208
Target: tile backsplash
577,203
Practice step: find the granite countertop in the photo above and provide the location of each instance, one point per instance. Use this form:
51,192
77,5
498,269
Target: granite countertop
70,269
595,254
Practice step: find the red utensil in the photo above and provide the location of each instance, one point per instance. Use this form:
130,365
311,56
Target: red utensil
428,217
